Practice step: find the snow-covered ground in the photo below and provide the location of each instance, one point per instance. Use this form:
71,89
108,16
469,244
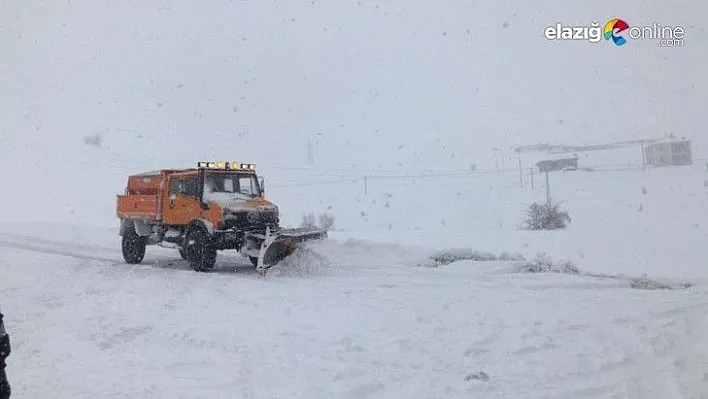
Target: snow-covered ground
375,112
367,314
626,221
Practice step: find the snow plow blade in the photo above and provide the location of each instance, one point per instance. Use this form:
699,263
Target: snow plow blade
276,247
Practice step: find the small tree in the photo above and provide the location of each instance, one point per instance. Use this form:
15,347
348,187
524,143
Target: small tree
308,220
326,221
546,216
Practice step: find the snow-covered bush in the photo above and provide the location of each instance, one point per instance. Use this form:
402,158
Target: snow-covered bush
505,256
326,221
546,216
645,283
451,255
482,376
544,264
94,141
308,220
447,256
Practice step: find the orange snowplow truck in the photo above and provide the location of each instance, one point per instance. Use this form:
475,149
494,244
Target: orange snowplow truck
215,206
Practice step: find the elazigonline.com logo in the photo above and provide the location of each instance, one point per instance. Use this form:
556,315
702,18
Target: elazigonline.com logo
618,30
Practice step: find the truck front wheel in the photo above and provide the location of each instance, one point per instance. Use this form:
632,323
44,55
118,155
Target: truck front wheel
133,246
200,253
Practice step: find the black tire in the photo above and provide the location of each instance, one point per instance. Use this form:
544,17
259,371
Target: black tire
200,253
182,253
133,246
254,260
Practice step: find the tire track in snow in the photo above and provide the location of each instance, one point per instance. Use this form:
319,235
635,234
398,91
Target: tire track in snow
682,343
47,249
113,256
91,247
647,355
89,252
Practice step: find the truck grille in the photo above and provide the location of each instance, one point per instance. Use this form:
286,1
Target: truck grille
241,220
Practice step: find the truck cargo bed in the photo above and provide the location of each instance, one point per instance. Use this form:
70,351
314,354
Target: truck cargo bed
139,206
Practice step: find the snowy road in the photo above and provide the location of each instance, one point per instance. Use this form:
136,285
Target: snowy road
355,319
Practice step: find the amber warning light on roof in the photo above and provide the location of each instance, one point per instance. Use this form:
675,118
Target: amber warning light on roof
226,165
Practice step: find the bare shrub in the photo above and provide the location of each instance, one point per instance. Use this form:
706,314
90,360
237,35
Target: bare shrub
482,376
646,283
308,220
452,255
544,264
546,216
94,141
326,221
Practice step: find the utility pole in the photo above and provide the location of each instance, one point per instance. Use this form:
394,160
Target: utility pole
310,153
548,188
531,170
366,185
521,174
644,161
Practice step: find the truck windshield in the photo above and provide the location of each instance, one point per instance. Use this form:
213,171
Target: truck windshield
231,183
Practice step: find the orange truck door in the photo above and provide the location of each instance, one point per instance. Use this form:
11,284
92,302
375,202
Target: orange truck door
181,205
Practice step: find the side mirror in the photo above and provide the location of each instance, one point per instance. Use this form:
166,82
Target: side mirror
204,205
261,183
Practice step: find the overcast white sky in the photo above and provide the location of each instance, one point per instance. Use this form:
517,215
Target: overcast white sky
377,84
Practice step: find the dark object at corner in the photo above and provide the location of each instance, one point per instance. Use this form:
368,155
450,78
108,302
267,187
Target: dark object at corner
4,353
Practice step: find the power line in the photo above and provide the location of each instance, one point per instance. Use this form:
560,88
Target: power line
320,183
113,162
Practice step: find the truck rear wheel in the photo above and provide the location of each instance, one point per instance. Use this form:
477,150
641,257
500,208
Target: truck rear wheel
183,254
133,246
200,253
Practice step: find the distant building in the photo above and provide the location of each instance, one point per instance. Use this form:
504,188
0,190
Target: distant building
557,164
669,152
